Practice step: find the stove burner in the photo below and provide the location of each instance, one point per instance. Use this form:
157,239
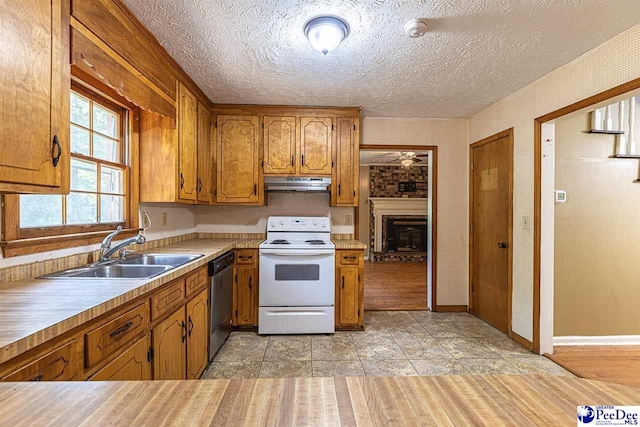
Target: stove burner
280,242
315,242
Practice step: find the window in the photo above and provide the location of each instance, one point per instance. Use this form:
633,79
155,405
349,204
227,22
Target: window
100,179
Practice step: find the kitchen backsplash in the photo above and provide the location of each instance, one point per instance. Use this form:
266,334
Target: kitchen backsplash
383,181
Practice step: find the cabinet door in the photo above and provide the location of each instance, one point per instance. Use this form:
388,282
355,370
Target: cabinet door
169,356
315,145
279,137
187,145
197,335
34,97
349,292
238,158
345,184
132,365
244,296
204,155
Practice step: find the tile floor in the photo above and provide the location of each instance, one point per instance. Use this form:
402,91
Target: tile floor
394,343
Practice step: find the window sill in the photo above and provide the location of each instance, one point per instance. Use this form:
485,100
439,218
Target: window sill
14,248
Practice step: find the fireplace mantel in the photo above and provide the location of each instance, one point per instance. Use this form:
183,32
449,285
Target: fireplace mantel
383,206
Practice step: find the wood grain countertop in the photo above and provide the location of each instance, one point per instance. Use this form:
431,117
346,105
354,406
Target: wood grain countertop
367,401
34,311
349,244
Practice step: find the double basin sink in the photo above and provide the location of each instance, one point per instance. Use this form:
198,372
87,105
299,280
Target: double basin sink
133,267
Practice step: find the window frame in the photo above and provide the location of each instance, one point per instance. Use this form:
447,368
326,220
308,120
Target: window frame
21,241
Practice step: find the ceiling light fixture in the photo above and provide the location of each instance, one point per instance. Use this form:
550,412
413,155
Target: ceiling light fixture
326,32
406,163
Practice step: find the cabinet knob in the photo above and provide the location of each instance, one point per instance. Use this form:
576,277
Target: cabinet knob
181,180
502,245
55,158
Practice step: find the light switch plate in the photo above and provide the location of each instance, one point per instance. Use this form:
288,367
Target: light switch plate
348,219
164,219
526,222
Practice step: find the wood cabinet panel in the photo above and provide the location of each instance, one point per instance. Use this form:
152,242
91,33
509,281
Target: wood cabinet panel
58,365
106,339
197,280
132,365
188,145
315,145
280,141
197,335
346,173
166,300
204,154
244,295
34,96
349,295
238,159
169,355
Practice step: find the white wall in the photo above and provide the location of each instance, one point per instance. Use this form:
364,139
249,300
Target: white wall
253,219
608,65
450,135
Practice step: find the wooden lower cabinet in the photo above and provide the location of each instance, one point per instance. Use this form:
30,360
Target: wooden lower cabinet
197,335
169,341
349,305
132,365
57,365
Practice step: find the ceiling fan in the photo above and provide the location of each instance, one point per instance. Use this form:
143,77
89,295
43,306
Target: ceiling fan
408,158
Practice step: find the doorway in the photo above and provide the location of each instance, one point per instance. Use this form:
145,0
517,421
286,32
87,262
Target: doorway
491,225
396,219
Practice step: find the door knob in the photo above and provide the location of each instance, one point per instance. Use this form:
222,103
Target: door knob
502,245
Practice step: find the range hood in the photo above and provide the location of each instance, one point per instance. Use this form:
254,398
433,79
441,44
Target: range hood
276,183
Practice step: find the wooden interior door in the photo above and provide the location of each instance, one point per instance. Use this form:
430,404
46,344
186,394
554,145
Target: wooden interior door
491,222
197,335
132,365
238,157
34,95
347,163
279,136
204,154
349,300
244,296
315,146
188,145
169,358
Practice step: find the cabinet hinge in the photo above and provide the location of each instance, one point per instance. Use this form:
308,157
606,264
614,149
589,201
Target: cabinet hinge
236,313
331,163
472,166
358,312
262,163
150,354
471,227
472,287
215,124
263,126
236,278
332,127
354,193
354,127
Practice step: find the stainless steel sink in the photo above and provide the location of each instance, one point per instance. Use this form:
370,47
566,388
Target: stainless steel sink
161,259
120,271
133,267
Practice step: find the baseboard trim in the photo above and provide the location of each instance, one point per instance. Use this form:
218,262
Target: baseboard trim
522,341
451,308
597,340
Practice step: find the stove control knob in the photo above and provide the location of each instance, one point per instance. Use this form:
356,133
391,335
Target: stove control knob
324,224
282,222
273,224
315,222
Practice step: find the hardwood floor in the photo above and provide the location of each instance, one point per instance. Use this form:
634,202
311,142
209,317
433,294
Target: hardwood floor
616,364
402,401
395,286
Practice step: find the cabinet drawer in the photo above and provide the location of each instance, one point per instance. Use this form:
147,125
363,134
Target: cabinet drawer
350,258
58,365
108,338
166,300
246,257
196,280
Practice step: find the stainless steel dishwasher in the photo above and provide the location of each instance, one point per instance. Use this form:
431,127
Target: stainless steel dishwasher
221,276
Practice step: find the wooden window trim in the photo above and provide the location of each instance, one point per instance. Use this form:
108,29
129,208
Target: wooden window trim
18,241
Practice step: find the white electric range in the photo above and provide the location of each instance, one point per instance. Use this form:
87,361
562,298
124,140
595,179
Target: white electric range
297,277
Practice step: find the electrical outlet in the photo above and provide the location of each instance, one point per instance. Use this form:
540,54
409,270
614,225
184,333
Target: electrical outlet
164,219
145,220
526,222
348,219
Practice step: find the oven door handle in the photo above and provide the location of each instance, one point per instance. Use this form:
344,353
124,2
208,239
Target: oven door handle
294,252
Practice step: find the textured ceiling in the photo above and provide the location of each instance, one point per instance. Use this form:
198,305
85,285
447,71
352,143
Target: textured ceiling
476,52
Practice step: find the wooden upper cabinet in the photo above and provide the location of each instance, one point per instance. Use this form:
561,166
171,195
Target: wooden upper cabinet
34,97
197,335
169,355
204,155
344,189
188,145
238,160
279,137
315,146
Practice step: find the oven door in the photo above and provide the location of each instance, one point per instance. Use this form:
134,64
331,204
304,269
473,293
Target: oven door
296,277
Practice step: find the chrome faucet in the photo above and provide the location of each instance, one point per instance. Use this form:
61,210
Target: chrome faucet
106,250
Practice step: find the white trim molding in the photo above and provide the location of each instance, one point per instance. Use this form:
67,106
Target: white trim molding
383,206
597,340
